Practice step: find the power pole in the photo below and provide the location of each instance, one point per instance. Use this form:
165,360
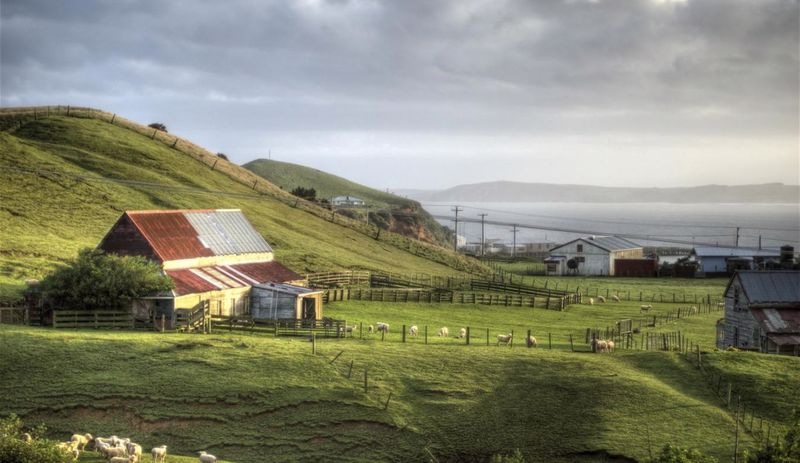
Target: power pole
456,209
736,245
514,247
483,239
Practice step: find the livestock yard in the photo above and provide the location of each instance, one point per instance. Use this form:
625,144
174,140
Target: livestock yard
250,396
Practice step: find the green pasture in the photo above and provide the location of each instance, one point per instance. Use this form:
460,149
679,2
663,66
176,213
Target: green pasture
252,397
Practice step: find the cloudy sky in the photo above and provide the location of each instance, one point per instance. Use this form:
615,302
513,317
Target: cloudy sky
431,94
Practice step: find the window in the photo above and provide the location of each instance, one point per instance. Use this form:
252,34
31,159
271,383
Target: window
735,298
580,248
580,259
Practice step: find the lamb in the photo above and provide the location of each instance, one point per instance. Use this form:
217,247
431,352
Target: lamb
130,459
530,341
645,307
462,333
207,457
382,327
80,441
159,454
414,330
111,452
370,329
504,339
615,298
443,332
601,299
591,301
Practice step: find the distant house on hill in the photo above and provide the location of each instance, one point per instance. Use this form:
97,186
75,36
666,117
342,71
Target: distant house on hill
593,255
762,312
215,258
348,201
724,261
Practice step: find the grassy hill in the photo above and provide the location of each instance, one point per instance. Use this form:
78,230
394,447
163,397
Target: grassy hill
255,398
66,180
387,210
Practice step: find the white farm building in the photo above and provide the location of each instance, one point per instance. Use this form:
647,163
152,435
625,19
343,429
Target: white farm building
594,255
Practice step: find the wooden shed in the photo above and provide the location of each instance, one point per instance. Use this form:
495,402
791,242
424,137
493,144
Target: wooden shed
762,312
214,258
593,255
272,301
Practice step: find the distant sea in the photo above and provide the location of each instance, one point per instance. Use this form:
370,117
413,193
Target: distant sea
688,224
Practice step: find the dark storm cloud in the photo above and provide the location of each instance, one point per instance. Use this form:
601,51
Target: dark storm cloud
723,68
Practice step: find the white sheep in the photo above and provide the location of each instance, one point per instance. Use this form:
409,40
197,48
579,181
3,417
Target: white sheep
693,310
504,339
615,298
382,327
443,332
462,333
600,345
591,301
134,449
413,331
159,453
601,299
27,438
370,329
610,345
80,440
645,307
347,329
207,457
531,341
111,452
103,440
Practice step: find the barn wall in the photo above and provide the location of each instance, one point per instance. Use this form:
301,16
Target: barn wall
741,328
269,304
635,267
124,239
596,260
227,303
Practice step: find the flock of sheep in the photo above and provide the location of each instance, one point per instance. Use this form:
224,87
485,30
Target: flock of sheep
603,345
443,332
119,450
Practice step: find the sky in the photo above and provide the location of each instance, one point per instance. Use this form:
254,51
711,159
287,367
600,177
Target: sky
419,94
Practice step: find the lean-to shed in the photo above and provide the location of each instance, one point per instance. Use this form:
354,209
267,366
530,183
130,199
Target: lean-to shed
213,256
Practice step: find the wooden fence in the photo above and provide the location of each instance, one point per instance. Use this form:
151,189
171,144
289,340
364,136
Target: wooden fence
14,315
327,327
448,297
91,319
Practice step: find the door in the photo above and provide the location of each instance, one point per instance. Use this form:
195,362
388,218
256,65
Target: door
309,309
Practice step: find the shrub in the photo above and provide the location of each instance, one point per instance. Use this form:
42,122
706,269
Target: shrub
158,126
99,281
515,457
14,448
786,450
674,454
309,194
223,156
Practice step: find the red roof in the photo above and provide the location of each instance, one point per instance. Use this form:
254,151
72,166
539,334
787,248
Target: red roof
170,234
220,277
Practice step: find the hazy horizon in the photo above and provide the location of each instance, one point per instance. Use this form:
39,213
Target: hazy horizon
430,95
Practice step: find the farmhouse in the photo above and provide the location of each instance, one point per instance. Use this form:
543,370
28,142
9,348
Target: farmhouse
215,258
347,201
593,255
762,312
722,261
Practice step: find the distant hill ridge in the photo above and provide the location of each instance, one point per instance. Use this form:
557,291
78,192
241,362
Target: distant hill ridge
505,191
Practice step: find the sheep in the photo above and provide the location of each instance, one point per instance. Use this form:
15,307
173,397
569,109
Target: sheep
443,332
104,440
600,345
601,299
615,298
462,333
345,330
693,310
645,307
591,301
370,329
413,331
81,440
610,345
111,452
159,454
382,327
207,457
504,339
134,449
27,438
530,341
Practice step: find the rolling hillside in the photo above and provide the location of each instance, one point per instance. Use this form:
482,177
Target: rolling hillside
386,210
68,178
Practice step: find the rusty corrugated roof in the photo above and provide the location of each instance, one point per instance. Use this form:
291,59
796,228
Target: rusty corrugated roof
180,234
776,286
778,320
221,277
785,339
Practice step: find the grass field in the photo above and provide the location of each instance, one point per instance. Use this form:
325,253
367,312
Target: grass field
250,397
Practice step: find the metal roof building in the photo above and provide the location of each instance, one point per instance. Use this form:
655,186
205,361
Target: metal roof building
592,255
214,258
723,261
762,312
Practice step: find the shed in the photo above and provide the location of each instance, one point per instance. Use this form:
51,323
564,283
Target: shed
724,261
593,255
213,256
347,201
762,312
273,301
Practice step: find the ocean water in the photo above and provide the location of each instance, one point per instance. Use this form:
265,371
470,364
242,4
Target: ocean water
667,224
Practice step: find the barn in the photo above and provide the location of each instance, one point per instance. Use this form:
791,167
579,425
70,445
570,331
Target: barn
723,261
214,257
762,312
593,255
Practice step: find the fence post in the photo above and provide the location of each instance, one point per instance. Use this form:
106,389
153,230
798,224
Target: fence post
163,321
571,345
550,340
426,334
313,343
386,405
404,333
487,336
698,356
350,371
527,340
467,340
365,381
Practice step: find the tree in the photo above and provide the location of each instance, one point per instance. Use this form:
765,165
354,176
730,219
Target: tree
515,457
99,281
158,126
15,448
223,156
309,194
782,451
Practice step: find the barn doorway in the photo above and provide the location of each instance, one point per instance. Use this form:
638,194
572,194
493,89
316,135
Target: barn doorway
309,308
